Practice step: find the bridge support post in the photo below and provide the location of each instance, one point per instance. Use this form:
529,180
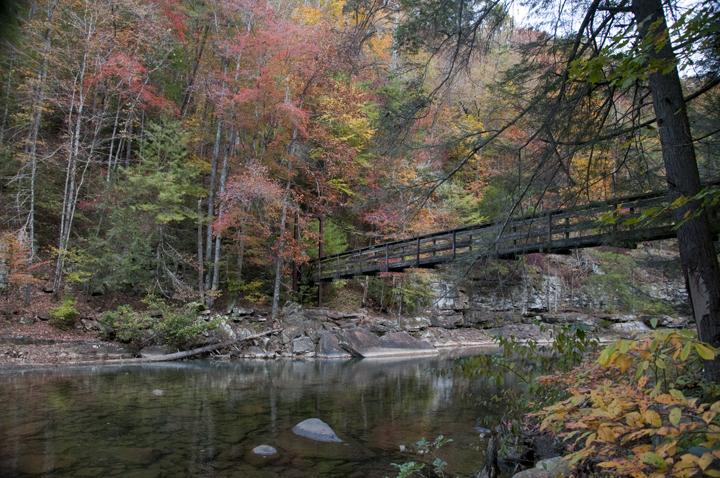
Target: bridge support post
417,255
454,239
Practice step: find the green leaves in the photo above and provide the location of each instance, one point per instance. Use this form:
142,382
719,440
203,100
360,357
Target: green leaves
653,459
675,416
705,351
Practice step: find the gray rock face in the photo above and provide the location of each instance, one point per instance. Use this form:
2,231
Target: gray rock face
293,313
383,326
264,450
485,319
241,311
224,332
289,333
316,429
629,328
257,352
363,343
403,340
329,347
414,324
555,467
666,321
449,321
357,341
303,345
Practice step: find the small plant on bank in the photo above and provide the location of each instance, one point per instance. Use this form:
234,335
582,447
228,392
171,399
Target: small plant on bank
127,326
64,315
179,327
424,448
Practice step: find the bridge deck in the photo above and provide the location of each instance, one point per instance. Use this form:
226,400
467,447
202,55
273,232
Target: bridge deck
553,231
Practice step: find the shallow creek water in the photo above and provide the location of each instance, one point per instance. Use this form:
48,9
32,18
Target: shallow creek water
202,418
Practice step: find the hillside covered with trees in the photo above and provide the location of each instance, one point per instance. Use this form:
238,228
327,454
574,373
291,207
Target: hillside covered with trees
174,167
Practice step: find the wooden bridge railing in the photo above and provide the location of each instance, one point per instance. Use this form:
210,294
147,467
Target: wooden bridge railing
552,231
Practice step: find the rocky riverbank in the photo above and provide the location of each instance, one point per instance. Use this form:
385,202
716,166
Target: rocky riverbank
319,333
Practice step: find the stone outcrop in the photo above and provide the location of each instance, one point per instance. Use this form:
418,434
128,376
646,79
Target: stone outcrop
361,342
328,347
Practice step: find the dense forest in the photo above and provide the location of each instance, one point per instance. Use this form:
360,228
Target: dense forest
198,150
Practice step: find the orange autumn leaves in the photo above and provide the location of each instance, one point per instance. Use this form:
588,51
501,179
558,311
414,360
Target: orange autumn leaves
639,424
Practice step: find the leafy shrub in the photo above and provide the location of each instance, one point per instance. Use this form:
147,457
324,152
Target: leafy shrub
634,414
64,315
128,326
253,291
177,327
181,327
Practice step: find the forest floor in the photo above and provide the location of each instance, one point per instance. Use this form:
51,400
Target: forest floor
43,344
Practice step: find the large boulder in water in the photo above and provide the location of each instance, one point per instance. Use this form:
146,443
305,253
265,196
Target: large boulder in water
329,347
303,345
316,429
363,343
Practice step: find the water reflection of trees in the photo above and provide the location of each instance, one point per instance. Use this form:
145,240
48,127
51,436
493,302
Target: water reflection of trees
202,407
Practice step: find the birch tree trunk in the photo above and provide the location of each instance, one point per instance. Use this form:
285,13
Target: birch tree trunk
218,237
32,139
279,252
211,199
200,259
71,187
695,237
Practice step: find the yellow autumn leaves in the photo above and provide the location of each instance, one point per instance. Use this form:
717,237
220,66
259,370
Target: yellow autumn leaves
635,421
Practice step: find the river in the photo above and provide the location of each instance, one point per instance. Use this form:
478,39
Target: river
203,418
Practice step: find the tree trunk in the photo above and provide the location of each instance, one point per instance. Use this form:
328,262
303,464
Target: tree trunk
31,145
218,237
71,185
279,253
695,237
6,101
240,241
193,74
211,199
200,259
112,142
296,268
321,253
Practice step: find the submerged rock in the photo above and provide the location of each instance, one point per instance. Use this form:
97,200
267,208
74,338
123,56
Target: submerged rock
316,429
265,450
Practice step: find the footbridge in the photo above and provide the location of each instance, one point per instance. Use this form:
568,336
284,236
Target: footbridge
621,221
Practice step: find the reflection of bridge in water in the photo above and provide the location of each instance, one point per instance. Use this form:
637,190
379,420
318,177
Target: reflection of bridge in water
557,231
